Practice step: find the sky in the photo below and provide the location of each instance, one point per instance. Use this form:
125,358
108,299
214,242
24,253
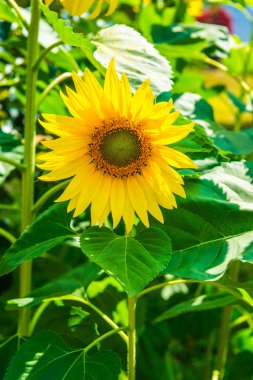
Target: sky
242,27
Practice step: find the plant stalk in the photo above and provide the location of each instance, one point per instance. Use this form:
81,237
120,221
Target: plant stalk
131,338
29,157
224,333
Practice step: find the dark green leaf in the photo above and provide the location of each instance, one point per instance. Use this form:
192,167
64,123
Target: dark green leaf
203,302
45,356
215,37
48,230
78,278
133,261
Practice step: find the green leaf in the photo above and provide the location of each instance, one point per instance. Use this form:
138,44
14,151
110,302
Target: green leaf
235,142
69,37
48,230
215,37
78,278
201,303
214,225
7,14
134,55
194,107
45,356
10,147
133,261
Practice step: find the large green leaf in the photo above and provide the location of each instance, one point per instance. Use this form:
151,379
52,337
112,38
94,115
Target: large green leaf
45,356
200,303
133,261
48,230
134,55
214,225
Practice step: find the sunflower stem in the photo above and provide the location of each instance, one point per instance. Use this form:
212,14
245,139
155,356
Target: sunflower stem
131,338
29,157
224,332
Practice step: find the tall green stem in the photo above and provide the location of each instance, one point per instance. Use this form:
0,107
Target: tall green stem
225,331
29,156
131,338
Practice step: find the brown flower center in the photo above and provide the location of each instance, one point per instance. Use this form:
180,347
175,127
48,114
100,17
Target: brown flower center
120,148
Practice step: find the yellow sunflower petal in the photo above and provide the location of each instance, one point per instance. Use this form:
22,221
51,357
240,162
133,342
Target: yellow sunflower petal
175,158
77,7
112,86
138,200
77,183
89,192
117,200
142,101
63,172
128,213
126,95
173,134
151,199
72,203
99,202
112,7
104,214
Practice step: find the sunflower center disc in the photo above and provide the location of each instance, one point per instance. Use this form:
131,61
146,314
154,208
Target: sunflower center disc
121,147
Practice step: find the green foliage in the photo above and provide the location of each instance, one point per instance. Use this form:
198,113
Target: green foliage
135,56
133,261
7,14
187,264
46,355
48,230
200,303
212,40
10,148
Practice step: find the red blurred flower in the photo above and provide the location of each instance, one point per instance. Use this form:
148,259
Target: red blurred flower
217,15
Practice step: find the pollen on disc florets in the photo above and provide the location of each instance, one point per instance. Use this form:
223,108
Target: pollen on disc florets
120,148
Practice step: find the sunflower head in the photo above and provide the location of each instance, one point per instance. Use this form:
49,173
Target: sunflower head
114,147
78,7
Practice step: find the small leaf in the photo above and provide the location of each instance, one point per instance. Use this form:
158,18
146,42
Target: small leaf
48,230
66,33
134,55
45,356
7,14
133,261
10,147
216,37
201,303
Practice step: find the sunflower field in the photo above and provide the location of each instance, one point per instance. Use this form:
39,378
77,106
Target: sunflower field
126,190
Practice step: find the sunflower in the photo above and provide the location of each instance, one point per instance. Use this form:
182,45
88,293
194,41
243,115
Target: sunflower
195,7
114,148
78,7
